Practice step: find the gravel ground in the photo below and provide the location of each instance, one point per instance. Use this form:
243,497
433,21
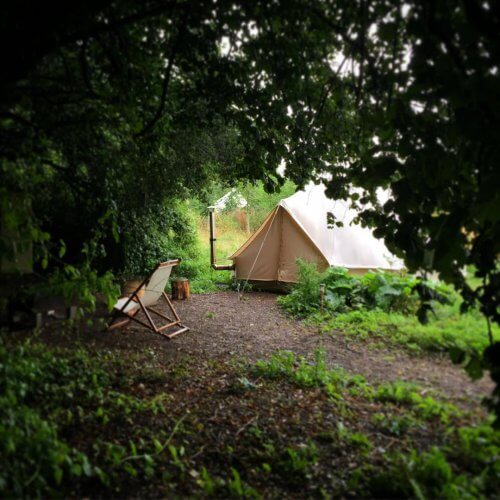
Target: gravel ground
222,326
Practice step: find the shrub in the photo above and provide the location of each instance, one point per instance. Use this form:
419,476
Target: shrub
345,292
389,292
160,233
304,298
342,290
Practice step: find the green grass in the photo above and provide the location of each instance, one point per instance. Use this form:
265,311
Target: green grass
307,373
447,329
229,238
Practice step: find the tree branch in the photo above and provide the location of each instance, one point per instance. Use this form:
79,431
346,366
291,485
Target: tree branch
326,92
166,81
17,118
84,66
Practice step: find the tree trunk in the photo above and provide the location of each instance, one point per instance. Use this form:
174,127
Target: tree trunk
180,289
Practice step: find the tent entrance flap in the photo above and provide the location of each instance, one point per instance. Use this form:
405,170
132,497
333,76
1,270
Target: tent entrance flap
259,256
272,252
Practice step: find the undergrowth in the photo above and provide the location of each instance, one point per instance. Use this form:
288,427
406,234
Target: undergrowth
78,423
345,292
45,397
465,465
446,330
384,306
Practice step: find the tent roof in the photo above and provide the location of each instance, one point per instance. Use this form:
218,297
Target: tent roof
350,246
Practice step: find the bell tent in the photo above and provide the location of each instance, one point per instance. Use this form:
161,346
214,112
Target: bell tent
298,228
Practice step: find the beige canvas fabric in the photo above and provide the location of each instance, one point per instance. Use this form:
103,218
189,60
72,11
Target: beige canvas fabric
271,253
259,256
156,285
152,290
131,306
298,227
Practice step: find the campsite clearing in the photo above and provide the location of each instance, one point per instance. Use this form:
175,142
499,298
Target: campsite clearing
224,327
249,403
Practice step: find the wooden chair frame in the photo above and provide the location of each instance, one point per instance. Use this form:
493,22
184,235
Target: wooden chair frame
148,310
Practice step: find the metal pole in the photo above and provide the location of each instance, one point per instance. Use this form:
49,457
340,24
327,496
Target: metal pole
211,211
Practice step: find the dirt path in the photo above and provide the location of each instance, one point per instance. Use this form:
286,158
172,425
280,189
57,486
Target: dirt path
223,326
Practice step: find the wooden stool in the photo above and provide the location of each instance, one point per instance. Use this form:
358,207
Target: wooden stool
180,289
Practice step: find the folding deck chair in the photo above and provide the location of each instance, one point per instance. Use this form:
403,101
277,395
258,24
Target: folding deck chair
154,288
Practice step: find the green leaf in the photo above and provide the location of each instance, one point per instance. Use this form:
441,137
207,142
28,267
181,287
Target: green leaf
158,446
474,368
58,475
457,355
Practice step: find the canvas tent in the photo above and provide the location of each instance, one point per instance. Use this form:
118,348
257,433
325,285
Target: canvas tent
233,198
298,227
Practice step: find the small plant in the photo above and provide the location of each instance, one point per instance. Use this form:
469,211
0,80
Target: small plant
305,373
233,486
207,482
395,425
241,385
355,439
238,488
297,462
404,393
279,364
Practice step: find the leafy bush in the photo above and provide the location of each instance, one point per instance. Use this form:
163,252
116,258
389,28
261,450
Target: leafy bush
304,298
345,292
160,233
342,290
170,233
389,292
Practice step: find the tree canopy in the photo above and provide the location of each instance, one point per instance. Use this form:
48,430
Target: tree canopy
127,102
